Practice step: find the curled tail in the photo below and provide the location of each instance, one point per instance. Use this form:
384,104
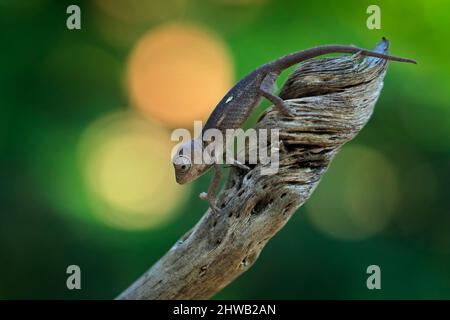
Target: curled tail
297,57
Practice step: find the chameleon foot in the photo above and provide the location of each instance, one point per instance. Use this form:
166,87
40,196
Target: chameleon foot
239,165
211,201
284,109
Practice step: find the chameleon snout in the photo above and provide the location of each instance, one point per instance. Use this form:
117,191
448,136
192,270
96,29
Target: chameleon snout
181,179
182,165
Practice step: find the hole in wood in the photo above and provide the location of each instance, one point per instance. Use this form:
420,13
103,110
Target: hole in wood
261,205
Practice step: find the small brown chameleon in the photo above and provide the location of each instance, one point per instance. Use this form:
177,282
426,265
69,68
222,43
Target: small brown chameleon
235,107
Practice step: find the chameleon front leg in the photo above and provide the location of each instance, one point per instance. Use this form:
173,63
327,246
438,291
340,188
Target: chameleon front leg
267,89
239,165
235,163
210,196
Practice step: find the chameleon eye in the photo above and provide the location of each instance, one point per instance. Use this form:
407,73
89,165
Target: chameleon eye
182,163
185,167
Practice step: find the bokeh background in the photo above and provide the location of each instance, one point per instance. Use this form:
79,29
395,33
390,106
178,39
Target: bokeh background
85,123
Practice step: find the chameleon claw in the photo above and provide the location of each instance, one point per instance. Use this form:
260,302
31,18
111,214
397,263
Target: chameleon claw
213,207
284,109
211,201
241,165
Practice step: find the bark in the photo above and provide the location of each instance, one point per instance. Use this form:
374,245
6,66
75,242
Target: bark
332,98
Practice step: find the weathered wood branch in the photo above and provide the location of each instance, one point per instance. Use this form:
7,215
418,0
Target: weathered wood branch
332,99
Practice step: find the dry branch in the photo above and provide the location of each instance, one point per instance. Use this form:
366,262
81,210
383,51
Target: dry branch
332,99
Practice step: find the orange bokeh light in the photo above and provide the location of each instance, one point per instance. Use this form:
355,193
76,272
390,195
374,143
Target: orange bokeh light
177,73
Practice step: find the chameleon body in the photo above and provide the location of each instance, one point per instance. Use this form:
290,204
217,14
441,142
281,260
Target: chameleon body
236,106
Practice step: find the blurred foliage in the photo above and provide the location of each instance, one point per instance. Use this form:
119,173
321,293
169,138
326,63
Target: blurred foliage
55,83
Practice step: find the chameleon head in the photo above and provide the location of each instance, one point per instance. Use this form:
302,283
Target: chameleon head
187,170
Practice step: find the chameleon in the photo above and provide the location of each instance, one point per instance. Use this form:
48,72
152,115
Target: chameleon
236,106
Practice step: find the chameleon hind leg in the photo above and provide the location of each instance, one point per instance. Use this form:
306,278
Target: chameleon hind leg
240,165
267,89
210,196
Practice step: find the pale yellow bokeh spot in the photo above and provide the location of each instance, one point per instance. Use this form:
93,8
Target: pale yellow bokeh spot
357,196
128,171
177,73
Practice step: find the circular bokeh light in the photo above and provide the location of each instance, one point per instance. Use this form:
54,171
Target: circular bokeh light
357,196
127,169
177,73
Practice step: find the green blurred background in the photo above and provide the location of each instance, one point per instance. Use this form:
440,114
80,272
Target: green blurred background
85,122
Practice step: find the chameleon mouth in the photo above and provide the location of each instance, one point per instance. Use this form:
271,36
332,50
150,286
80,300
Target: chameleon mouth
183,179
180,180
